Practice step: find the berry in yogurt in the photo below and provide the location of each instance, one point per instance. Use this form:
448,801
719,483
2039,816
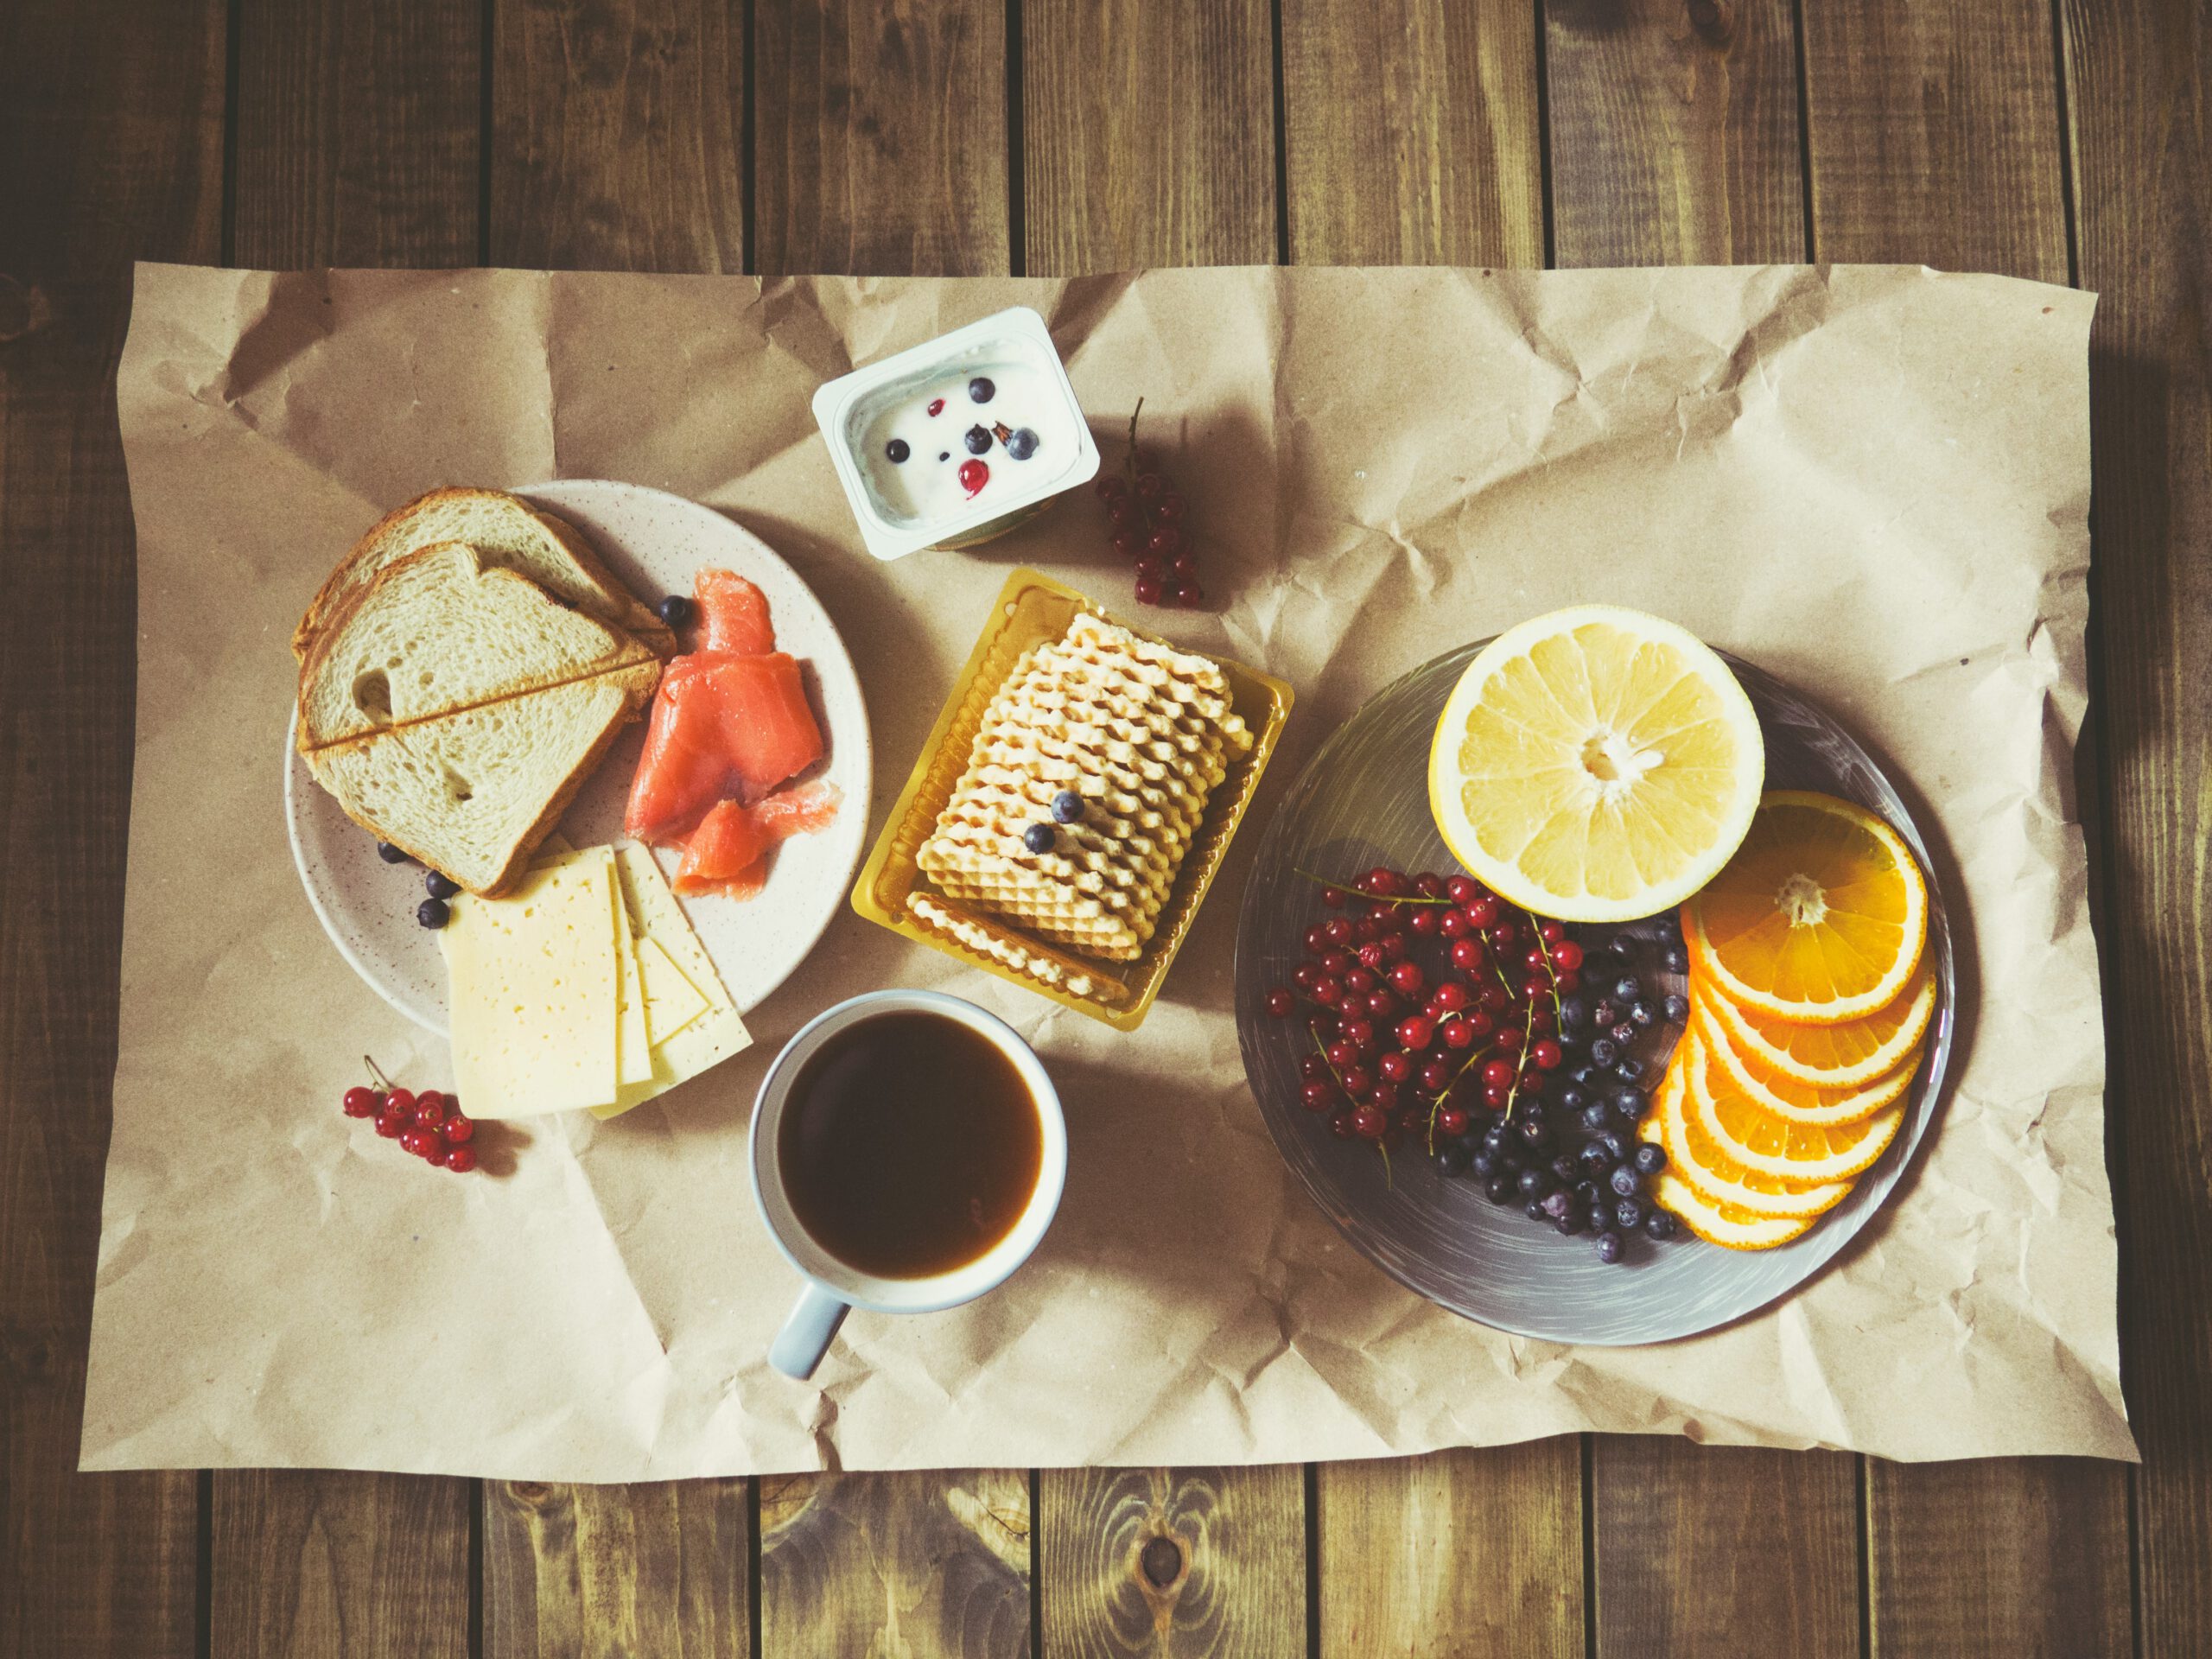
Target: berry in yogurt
980,454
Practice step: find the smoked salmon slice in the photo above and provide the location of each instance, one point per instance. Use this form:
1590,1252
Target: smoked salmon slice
726,852
730,721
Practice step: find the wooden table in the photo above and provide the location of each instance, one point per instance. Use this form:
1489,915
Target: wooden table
2071,143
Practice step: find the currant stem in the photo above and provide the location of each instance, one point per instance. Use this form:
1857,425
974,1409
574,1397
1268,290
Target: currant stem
377,1072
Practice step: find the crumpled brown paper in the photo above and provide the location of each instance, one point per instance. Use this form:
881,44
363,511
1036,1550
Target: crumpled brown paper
1873,481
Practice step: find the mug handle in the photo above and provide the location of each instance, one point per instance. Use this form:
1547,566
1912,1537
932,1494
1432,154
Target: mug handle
808,1333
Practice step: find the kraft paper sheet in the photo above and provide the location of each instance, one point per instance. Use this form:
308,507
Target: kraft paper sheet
1873,481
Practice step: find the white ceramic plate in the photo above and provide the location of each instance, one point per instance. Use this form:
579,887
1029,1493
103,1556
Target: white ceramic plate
654,540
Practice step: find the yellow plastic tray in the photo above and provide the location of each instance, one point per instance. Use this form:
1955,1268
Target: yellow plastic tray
1031,609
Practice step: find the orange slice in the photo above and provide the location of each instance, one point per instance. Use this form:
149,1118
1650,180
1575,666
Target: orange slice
1829,1057
1819,917
1724,1223
1795,1102
1804,1153
1718,1179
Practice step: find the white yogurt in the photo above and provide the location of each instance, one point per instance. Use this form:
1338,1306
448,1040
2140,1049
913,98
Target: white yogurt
958,439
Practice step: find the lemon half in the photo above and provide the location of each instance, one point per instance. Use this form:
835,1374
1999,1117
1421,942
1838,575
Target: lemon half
1596,765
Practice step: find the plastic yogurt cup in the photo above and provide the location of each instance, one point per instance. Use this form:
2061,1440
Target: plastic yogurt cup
959,439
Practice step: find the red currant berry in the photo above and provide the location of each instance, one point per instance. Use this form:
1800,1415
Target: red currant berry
1536,985
1385,1094
1548,1055
1407,979
1458,1034
1417,1032
460,1160
417,1140
1493,1097
1498,1074
1536,962
1318,1097
1551,933
1185,565
362,1101
1462,889
1394,947
390,1125
1383,1006
1359,1032
1368,1122
1337,930
1482,911
1467,954
1394,1065
1373,957
1280,1002
1333,898
1424,921
1152,569
1317,940
1451,1121
430,1110
1169,508
1340,1126
1532,1082
1110,487
1315,1068
401,1103
1357,1081
1304,975
1451,996
1150,485
1429,885
1436,1077
1569,981
1187,593
1166,541
1493,997
1338,962
1480,1023
1451,924
1567,956
1342,1054
1147,591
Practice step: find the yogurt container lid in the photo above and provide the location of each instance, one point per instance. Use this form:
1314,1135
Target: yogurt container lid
943,438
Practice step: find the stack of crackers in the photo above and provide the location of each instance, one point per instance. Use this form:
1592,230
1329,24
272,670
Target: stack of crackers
1143,734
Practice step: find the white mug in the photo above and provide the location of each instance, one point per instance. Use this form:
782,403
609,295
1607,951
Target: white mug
834,1288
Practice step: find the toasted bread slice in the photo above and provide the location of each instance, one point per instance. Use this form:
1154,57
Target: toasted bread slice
509,532
472,793
440,632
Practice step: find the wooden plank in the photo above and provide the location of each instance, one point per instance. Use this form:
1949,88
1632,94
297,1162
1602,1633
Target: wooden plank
880,137
1192,1563
1703,1549
1674,132
111,150
323,1566
617,135
2045,1573
2138,75
600,1571
1935,136
1934,133
1463,1554
359,143
357,132
1411,132
916,1565
1147,134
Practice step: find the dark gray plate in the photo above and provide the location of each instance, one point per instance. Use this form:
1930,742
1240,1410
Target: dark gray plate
1363,800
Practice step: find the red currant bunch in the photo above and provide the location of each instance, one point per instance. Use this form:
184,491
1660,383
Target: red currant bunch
1146,516
430,1124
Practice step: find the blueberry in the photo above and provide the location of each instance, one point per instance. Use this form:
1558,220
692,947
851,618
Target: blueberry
1629,1103
1450,1159
1629,1071
1676,1009
1596,1161
1620,945
1598,1218
980,390
1494,1138
1609,1246
1510,1163
390,854
1628,989
1605,1052
1606,1014
1067,806
978,440
1585,1075
433,913
1535,1131
1623,1034
1535,1210
1536,1182
1642,1013
1038,837
1570,1224
1624,1181
439,884
1559,1203
897,451
1615,1148
944,454
1022,444
1563,1170
1587,1194
1485,1164
676,610
1677,960
1659,1225
1597,1115
1572,1099
1630,1212
1498,1190
1651,1159
1572,1012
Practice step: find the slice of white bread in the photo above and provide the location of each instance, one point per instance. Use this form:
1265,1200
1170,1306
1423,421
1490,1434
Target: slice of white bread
509,532
440,630
473,793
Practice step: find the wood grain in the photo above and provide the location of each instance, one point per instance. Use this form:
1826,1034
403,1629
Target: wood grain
1464,1554
2139,76
1147,134
312,1565
1705,1549
357,132
1172,1563
921,1566
1935,135
111,150
1674,132
616,135
1411,132
880,137
603,1572
359,143
2044,1576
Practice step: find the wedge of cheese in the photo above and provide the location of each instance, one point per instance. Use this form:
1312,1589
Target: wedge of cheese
686,1042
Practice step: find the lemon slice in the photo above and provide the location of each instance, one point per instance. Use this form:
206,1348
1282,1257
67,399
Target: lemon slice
1596,765
1794,1102
1803,1153
1718,1179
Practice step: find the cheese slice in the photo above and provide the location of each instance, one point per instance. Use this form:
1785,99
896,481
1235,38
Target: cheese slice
672,1001
710,1037
634,1059
535,993
554,849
